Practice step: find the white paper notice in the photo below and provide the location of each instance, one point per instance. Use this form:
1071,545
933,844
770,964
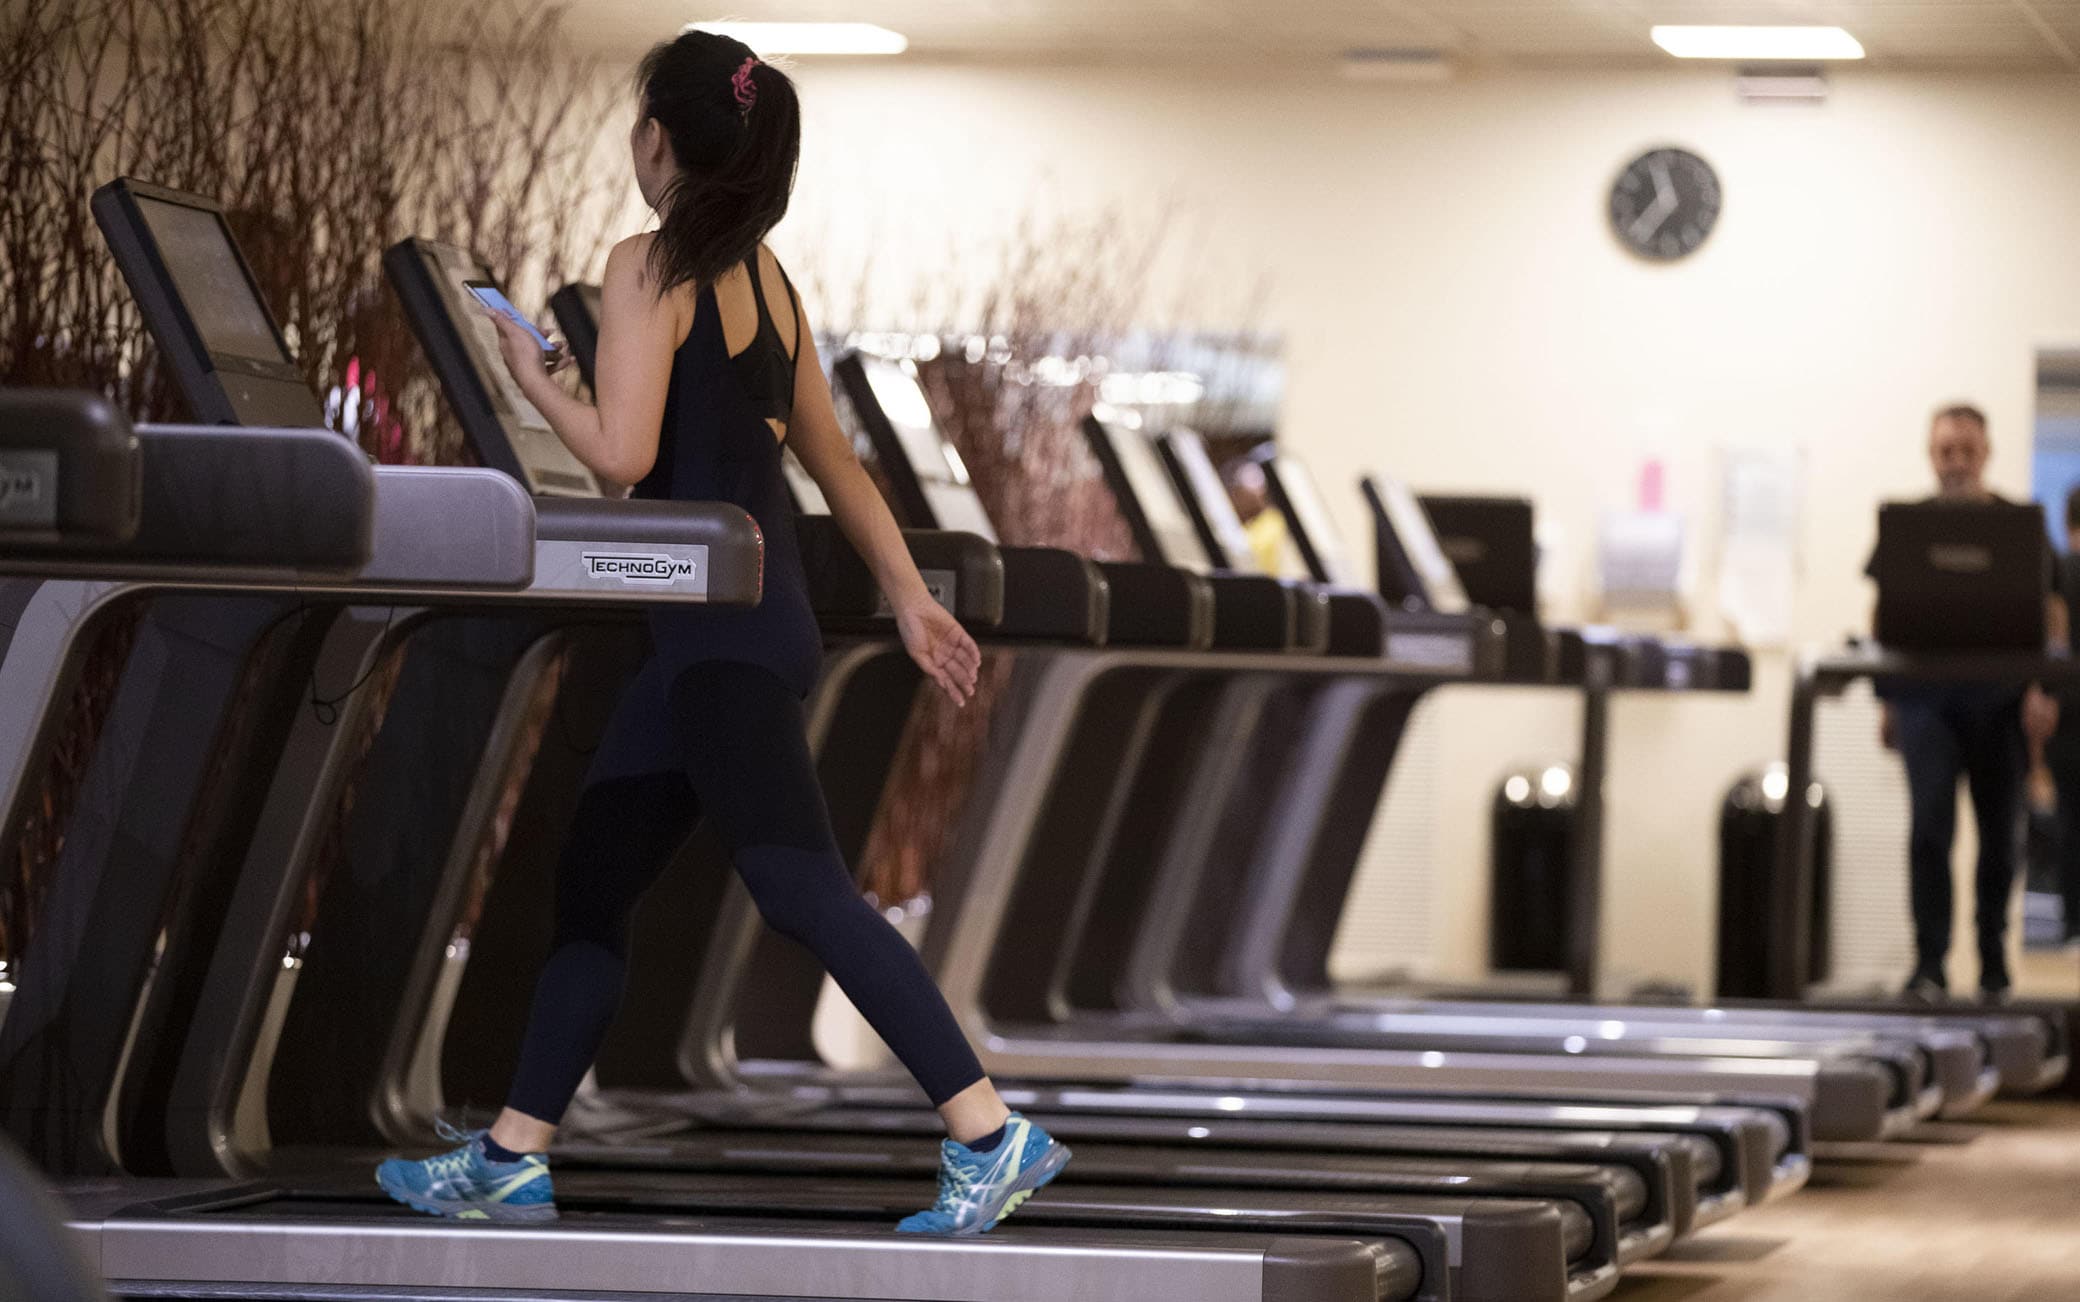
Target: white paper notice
1758,556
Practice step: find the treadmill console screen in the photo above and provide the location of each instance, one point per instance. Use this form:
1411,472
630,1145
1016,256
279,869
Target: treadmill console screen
547,464
201,304
1189,451
1418,540
204,266
938,467
1310,516
1157,497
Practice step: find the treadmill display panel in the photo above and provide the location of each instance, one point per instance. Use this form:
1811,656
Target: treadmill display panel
549,464
938,467
200,301
1157,496
1310,517
204,266
1404,514
1189,451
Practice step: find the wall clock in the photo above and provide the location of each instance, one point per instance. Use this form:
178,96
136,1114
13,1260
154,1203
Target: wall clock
1664,204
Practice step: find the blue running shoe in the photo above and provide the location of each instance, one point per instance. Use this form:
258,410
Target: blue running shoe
468,1186
976,1190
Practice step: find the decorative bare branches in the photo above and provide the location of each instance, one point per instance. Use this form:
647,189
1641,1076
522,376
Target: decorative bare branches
329,131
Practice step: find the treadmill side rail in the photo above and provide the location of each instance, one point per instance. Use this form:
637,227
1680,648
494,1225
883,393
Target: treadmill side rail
631,1258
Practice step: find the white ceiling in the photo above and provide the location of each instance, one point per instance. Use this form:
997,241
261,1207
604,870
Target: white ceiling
2003,35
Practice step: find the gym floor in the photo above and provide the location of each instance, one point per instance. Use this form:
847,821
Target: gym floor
1987,1210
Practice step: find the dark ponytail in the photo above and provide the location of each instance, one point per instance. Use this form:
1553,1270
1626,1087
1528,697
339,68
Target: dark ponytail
735,129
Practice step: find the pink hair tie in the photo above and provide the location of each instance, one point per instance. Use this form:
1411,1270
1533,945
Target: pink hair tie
746,89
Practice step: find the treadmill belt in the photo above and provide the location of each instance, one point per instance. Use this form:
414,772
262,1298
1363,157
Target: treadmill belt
1114,1164
889,1200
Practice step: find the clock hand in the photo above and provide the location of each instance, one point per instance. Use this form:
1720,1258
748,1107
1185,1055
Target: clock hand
1664,206
1664,185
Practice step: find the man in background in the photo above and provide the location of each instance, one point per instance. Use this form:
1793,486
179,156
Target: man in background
1979,732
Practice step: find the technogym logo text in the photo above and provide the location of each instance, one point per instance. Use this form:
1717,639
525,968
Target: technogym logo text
26,489
649,569
19,488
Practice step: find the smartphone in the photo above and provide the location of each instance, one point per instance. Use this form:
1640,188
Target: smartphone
488,294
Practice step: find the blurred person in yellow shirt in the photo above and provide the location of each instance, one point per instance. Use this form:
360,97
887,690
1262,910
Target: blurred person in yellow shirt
1269,541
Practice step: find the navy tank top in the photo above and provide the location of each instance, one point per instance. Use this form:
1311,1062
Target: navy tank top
717,447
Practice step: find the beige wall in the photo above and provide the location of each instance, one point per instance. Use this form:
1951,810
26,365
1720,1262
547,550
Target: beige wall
1457,313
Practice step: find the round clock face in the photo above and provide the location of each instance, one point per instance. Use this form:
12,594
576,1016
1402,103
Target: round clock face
1664,204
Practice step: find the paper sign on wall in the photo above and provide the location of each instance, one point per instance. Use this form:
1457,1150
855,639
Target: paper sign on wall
1758,556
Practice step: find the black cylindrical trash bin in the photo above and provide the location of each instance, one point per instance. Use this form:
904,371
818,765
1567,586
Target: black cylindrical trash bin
1531,835
1748,821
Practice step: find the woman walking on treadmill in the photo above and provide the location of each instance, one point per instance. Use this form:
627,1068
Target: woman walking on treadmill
705,365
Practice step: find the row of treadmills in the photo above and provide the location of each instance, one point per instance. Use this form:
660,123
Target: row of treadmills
304,880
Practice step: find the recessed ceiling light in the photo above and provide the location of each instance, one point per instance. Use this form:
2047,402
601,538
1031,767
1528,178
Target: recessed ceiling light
1775,84
810,38
1395,65
1801,43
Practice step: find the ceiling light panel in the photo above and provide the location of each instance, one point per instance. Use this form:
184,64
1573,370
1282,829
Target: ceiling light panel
1798,44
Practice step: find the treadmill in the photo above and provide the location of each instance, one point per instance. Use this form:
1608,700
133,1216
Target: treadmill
451,1047
59,487
181,1238
220,1067
1786,981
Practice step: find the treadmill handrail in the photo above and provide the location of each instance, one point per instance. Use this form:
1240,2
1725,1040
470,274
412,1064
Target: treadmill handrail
70,469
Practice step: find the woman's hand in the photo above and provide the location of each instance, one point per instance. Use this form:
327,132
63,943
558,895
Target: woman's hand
941,647
524,357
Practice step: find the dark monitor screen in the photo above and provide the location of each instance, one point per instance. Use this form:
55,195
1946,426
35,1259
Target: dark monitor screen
577,313
910,413
1403,515
480,337
940,471
1493,546
1956,576
589,293
1230,538
462,342
203,263
203,307
1175,536
1308,516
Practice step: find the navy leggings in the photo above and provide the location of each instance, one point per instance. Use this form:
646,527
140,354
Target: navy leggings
727,740
1975,732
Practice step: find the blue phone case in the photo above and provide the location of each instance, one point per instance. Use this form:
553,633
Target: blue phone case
498,302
